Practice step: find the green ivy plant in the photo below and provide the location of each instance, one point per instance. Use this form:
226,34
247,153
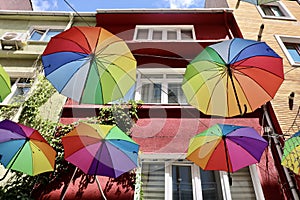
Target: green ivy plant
21,186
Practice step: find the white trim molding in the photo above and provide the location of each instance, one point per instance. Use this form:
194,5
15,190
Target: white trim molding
290,39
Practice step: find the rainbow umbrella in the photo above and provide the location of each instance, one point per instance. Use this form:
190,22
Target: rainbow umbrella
5,87
89,65
233,77
291,153
24,149
226,147
100,149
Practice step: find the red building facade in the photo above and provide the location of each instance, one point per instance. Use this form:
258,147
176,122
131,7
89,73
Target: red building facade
163,42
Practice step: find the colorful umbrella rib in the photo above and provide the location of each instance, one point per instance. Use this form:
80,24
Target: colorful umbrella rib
89,65
291,153
226,147
233,77
5,87
24,149
100,149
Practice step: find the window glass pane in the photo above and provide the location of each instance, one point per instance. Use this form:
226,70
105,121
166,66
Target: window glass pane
175,93
294,51
50,34
152,76
276,10
153,180
142,34
151,93
186,35
182,182
171,35
37,34
157,35
272,10
242,185
267,10
209,185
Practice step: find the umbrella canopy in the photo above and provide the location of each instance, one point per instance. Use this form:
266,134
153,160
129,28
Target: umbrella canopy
5,87
233,77
226,147
100,149
291,153
24,149
89,65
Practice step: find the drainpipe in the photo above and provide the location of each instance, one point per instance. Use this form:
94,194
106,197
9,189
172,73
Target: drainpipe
278,148
71,21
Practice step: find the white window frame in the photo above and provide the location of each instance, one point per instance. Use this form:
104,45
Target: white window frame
14,89
290,39
196,181
164,82
287,14
164,29
256,182
46,29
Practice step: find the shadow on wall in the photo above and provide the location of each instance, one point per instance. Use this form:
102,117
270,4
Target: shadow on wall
85,187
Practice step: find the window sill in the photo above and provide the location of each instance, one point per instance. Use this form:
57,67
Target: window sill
279,18
36,42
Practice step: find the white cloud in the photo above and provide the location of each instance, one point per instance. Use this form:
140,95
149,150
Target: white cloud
186,3
43,5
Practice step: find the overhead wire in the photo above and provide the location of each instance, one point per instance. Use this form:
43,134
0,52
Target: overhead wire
76,12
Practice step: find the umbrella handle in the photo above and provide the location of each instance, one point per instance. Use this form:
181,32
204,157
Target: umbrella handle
65,192
229,179
4,175
245,110
14,160
226,150
100,188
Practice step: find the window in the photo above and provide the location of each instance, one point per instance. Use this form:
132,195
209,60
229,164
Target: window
178,180
294,50
275,10
291,48
170,176
43,34
160,86
19,90
165,33
272,10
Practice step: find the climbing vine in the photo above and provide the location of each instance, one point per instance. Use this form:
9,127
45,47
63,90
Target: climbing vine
21,186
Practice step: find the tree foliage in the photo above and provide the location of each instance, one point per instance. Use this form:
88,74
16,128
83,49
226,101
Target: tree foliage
21,186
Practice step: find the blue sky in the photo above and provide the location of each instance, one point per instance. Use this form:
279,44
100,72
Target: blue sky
92,5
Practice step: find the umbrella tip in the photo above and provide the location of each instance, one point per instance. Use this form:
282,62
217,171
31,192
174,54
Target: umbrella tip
237,4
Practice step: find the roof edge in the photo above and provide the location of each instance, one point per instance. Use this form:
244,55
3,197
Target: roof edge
195,10
45,13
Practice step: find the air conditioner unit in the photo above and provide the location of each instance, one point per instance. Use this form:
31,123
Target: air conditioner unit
13,40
